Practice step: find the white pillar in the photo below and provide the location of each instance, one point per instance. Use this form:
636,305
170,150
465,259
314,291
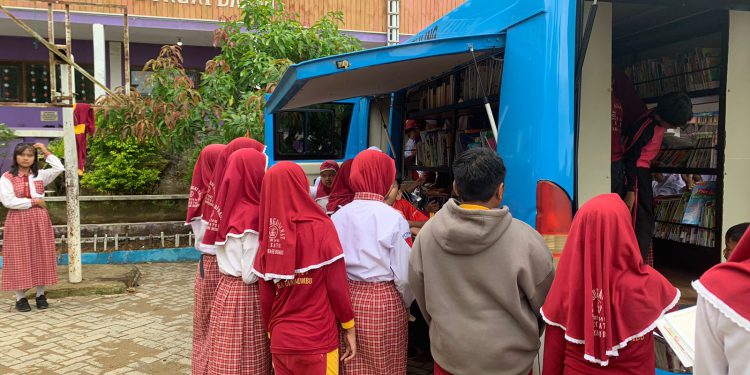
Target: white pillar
737,152
115,65
100,59
71,182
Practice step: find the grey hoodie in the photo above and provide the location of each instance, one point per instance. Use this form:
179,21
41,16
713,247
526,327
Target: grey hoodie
480,278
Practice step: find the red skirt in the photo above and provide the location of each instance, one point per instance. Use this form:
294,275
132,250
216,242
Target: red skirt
237,340
29,256
382,330
205,289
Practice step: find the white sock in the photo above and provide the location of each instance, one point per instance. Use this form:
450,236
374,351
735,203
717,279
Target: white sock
40,291
20,294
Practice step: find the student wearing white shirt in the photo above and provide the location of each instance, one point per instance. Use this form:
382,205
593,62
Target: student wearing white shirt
29,257
377,244
722,327
237,342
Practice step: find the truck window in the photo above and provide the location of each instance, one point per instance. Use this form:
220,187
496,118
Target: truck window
315,132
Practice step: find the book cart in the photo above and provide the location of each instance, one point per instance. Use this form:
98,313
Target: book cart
689,228
451,108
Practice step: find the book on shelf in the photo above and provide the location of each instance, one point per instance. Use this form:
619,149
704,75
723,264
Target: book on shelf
699,154
694,70
678,329
474,138
487,76
689,218
434,149
701,207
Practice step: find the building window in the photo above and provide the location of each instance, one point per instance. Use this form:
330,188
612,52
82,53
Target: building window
37,80
139,79
10,82
316,132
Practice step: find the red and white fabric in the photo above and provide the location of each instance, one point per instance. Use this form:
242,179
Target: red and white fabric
603,296
285,204
218,175
202,173
85,124
382,330
204,291
727,286
341,193
237,204
237,340
372,172
29,254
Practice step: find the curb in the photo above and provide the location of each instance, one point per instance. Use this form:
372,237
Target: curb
183,254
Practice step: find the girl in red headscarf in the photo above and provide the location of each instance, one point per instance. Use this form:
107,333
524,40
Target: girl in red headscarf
207,278
377,244
237,342
604,302
322,190
303,292
723,318
341,193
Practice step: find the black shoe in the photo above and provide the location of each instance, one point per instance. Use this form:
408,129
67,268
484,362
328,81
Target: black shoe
22,305
41,302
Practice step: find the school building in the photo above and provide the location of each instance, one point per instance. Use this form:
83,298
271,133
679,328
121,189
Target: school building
24,62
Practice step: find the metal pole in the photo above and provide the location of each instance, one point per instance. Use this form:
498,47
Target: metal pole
71,168
126,43
52,66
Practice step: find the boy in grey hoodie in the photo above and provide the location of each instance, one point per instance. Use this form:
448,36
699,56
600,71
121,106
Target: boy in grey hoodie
480,276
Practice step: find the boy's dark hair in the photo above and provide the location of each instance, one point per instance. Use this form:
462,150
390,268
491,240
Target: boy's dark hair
675,108
478,172
20,148
736,232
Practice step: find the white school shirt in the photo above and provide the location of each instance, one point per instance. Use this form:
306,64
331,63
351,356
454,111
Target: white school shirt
411,148
722,347
373,236
47,175
199,230
235,257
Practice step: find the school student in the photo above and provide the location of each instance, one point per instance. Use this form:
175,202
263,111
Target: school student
202,173
303,291
413,216
237,342
480,276
722,327
341,193
604,301
376,242
732,238
207,275
642,143
324,183
29,258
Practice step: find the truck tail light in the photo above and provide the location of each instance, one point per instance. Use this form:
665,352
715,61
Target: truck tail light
554,216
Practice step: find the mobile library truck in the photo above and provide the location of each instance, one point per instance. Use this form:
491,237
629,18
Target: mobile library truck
539,73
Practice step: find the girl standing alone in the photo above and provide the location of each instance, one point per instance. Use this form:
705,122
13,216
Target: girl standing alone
29,257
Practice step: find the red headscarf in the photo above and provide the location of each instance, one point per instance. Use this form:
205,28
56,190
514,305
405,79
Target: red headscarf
237,204
603,295
727,286
341,193
324,191
373,173
221,164
202,173
295,235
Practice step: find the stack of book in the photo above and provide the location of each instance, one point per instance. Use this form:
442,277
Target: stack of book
694,70
475,138
690,218
434,149
488,78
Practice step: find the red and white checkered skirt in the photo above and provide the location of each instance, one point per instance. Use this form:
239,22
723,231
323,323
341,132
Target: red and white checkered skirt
29,256
381,323
237,341
205,289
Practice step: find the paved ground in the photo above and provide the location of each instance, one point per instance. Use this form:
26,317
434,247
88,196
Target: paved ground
147,332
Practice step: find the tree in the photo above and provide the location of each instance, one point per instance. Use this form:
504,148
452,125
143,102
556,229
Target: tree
256,50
